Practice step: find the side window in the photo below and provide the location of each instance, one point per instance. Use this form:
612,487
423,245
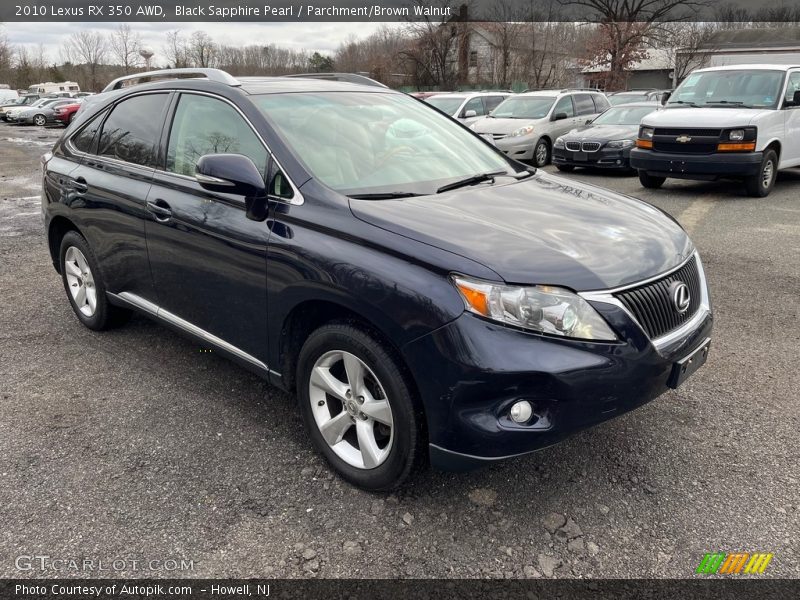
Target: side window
584,104
204,125
475,104
493,102
564,106
601,103
83,141
792,86
131,131
279,186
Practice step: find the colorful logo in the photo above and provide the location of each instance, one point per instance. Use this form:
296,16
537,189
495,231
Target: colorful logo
733,564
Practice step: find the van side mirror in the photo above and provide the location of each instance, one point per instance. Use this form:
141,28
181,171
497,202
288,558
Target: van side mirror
795,101
470,113
665,96
559,116
234,174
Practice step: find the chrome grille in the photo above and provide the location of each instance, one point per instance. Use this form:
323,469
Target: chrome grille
590,146
573,146
651,305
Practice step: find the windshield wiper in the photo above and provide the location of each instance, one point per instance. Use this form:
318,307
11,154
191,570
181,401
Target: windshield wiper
729,102
382,196
475,179
686,102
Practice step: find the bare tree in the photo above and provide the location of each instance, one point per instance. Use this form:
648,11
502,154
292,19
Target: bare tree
626,27
124,44
88,48
202,49
176,50
691,45
435,52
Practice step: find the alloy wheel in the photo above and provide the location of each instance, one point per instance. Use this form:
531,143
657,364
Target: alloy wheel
39,120
541,154
351,409
81,281
767,173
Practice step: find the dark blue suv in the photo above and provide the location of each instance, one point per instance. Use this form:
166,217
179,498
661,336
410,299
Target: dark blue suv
423,295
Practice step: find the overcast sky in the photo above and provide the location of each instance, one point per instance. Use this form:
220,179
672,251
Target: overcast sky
322,37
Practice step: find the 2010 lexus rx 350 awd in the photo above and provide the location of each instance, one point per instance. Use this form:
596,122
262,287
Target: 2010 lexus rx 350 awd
423,295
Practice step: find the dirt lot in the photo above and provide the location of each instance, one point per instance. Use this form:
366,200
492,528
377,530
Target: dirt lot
134,445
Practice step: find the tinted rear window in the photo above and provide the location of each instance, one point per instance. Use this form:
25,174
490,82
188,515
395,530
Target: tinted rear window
132,129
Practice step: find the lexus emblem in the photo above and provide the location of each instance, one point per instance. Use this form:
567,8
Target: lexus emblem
679,293
683,139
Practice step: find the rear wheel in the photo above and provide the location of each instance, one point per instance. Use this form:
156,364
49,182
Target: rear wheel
761,184
40,120
84,286
651,181
358,407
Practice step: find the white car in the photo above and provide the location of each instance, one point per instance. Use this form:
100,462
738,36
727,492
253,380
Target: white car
467,107
737,121
525,125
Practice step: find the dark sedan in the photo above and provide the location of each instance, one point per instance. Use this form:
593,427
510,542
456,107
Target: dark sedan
606,142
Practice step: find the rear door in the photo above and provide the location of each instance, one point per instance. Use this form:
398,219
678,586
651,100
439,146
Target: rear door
208,260
584,108
109,188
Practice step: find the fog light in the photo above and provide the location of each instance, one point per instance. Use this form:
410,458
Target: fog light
521,411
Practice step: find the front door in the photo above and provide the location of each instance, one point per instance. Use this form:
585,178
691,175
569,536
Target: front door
208,260
790,156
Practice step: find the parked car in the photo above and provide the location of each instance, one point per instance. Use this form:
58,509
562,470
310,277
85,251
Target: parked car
421,293
66,112
39,114
467,107
21,102
525,126
423,95
737,121
606,142
13,113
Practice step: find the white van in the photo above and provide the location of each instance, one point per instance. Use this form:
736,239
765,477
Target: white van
63,88
7,95
738,121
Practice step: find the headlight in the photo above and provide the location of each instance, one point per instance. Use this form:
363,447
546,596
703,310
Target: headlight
527,130
646,133
539,308
736,135
620,144
559,143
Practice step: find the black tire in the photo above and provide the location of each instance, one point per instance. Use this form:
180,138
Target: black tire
407,446
651,182
761,184
565,168
40,120
105,315
541,153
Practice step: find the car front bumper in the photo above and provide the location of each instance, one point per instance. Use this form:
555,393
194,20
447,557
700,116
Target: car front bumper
604,158
472,370
518,148
696,166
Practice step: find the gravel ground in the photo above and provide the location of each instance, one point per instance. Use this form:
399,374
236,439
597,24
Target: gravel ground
135,445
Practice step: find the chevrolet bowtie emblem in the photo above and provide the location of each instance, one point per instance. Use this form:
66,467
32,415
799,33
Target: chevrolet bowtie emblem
683,139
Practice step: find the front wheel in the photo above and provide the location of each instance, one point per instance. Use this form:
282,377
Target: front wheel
651,181
761,184
541,153
40,120
358,407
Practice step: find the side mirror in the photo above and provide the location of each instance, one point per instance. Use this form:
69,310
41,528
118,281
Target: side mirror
559,116
234,174
588,121
665,96
470,113
795,101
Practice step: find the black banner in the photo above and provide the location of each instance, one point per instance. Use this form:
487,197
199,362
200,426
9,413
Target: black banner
392,10
620,589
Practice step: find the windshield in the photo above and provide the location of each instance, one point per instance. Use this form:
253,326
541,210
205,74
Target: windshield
624,115
748,88
524,107
447,104
618,99
357,142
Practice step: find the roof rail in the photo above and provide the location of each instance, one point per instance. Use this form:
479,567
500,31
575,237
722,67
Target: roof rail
347,77
217,75
582,89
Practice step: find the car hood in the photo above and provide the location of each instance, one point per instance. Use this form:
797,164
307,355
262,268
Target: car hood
703,117
542,230
603,132
506,126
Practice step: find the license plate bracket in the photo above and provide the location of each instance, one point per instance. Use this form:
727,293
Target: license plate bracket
580,156
685,368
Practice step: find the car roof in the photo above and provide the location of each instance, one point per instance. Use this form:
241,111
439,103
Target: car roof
280,85
755,67
634,104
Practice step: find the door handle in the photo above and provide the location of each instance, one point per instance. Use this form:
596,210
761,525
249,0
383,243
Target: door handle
160,210
79,186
